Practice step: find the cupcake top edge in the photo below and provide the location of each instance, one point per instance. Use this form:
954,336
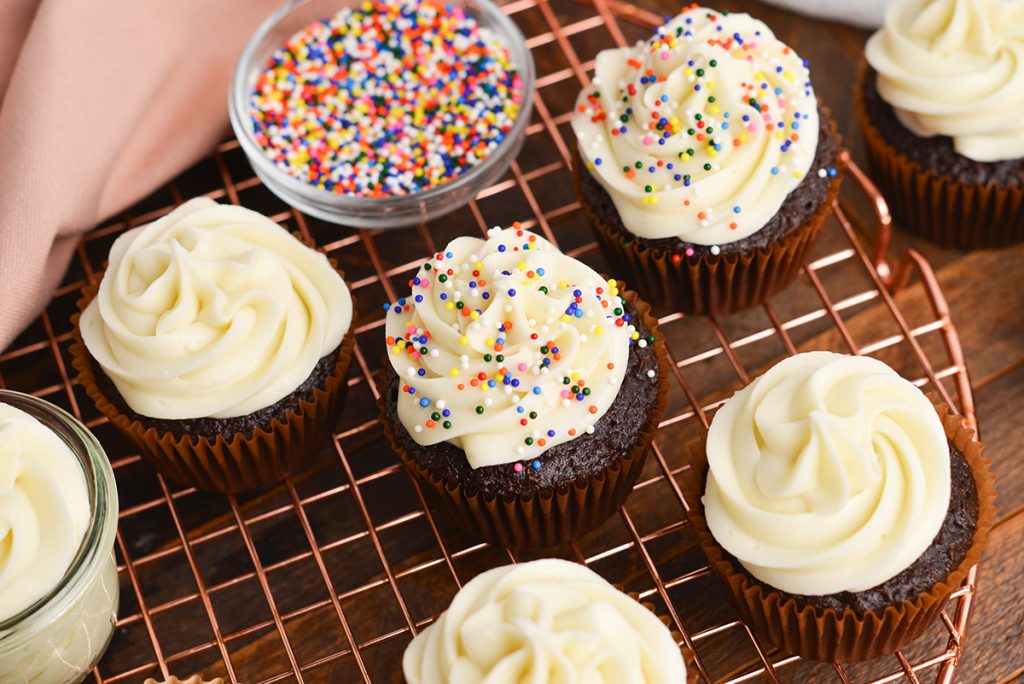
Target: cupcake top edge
955,68
829,473
213,311
45,508
506,347
549,616
701,131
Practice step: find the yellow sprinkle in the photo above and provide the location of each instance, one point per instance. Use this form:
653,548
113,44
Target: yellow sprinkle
450,306
521,265
575,376
713,109
454,372
566,318
474,315
489,342
463,340
797,175
635,335
395,349
598,330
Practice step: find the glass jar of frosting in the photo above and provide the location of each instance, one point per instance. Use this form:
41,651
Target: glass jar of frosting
58,519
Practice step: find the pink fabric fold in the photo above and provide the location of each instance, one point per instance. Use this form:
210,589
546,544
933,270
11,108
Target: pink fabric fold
101,101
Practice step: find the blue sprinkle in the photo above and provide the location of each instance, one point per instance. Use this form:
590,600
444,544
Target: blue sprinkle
424,402
551,433
446,413
535,465
536,390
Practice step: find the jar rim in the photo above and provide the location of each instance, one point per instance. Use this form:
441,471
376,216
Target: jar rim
98,539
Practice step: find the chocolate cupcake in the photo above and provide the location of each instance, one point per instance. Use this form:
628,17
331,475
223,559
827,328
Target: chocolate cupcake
218,343
941,105
522,388
705,163
549,620
839,508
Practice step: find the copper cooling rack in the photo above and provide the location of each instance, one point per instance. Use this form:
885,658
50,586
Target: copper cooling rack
325,578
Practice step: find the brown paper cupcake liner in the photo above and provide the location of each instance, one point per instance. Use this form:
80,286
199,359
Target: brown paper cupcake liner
828,635
266,455
549,516
706,284
944,210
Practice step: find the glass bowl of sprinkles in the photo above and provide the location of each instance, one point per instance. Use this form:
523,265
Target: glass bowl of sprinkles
382,113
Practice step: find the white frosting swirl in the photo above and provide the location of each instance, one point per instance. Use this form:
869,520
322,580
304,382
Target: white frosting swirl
829,473
213,311
545,622
955,68
44,510
701,131
508,347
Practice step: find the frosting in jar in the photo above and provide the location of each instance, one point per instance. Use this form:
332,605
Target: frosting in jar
828,473
700,132
44,510
70,645
955,68
213,311
507,347
545,621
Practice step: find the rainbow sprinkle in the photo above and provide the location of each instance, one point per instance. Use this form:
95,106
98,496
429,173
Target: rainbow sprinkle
391,98
496,374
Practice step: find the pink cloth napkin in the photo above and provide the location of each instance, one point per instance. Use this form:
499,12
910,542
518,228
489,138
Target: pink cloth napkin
101,101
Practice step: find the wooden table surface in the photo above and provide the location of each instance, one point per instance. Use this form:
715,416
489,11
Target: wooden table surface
165,524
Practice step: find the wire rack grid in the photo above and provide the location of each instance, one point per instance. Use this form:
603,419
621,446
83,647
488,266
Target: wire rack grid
327,577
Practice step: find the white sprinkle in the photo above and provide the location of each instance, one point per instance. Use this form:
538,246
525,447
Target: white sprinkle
651,373
418,428
715,249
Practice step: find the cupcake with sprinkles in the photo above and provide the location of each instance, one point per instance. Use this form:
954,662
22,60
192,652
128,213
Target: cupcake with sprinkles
706,164
521,387
941,104
389,98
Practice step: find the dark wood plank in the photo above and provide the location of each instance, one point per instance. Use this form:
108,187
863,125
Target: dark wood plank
995,641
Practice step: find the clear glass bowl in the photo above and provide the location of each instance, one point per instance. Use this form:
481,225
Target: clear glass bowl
372,212
60,638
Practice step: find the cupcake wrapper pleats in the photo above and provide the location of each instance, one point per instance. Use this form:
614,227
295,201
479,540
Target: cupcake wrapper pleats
828,635
549,516
939,208
266,455
706,284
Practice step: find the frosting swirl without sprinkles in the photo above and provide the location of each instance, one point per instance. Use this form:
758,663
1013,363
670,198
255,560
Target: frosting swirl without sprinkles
955,68
829,473
545,621
507,347
213,311
44,510
702,131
